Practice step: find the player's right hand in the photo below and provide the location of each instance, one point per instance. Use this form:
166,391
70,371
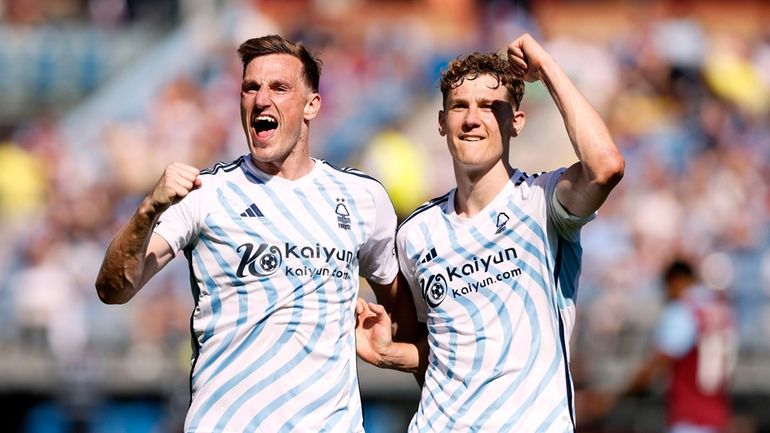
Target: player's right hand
374,331
527,57
176,182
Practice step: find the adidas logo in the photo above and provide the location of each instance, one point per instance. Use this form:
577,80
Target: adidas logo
252,211
430,256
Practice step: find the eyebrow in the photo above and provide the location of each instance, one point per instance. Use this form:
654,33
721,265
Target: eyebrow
488,100
268,82
482,100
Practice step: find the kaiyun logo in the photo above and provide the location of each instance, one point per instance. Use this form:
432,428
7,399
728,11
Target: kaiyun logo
260,262
434,289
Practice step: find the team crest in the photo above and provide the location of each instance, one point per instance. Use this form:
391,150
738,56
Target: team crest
502,222
343,215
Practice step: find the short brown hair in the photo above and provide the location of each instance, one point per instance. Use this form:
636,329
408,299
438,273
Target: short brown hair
476,64
274,44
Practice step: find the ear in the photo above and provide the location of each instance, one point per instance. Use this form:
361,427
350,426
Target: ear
442,130
518,122
312,106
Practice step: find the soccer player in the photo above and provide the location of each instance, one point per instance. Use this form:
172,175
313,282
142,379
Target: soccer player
275,242
695,341
493,265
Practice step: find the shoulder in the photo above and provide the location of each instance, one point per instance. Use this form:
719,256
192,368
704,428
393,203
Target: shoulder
537,179
424,212
536,187
350,175
355,182
223,168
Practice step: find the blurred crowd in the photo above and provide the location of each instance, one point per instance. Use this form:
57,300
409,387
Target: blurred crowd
100,13
688,105
689,109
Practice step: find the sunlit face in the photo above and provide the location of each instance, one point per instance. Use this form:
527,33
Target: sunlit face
478,122
276,106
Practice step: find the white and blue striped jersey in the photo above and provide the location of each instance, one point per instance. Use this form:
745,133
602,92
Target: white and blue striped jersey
275,270
497,292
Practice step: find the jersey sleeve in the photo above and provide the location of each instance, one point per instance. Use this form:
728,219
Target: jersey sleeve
180,223
377,257
567,225
408,271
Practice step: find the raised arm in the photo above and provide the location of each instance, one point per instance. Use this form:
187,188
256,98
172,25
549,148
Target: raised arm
586,184
135,253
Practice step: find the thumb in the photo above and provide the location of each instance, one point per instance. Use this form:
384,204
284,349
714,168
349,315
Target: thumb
377,308
360,305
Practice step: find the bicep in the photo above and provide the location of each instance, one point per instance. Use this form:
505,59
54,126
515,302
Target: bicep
159,253
578,193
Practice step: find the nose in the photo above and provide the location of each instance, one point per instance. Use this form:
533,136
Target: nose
262,98
472,119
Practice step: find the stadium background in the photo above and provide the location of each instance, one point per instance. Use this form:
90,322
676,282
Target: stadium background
98,96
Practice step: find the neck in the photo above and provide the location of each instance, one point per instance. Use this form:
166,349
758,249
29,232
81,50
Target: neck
287,169
291,166
477,188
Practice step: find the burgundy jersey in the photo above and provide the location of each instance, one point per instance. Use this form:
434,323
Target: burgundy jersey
699,390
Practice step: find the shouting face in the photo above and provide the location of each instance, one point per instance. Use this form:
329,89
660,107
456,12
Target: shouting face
276,107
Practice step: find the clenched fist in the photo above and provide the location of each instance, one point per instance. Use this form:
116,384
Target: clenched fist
176,182
527,58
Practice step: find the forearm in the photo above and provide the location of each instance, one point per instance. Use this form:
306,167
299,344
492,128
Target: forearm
400,356
585,185
121,274
587,131
405,356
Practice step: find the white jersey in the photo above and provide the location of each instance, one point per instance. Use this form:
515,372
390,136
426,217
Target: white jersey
497,292
274,272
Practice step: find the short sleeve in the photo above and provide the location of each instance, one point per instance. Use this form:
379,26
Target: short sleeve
377,257
676,332
180,223
567,225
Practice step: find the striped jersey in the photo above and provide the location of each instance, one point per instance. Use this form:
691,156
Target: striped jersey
274,269
497,292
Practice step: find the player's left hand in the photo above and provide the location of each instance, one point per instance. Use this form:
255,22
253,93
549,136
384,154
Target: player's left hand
527,58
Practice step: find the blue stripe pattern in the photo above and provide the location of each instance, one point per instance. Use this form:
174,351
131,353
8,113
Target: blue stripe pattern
237,283
264,343
448,398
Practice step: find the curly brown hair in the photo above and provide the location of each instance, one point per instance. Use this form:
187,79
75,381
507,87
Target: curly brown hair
476,64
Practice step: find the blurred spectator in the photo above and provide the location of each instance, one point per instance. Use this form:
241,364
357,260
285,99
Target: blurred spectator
38,12
694,343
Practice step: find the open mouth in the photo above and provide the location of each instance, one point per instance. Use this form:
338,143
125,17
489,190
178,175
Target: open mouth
471,138
264,126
